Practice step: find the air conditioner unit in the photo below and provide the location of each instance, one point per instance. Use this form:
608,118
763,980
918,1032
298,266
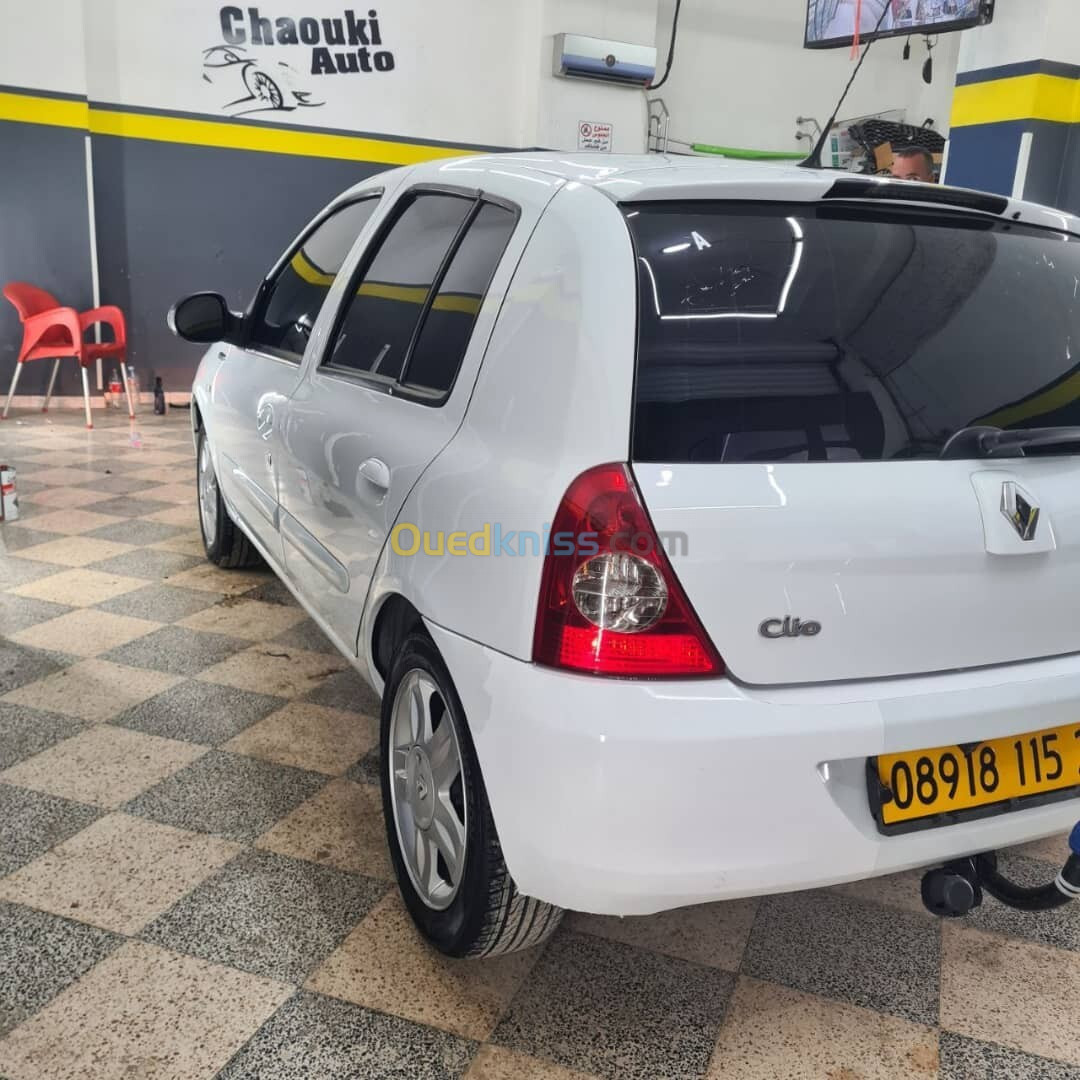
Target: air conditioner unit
581,57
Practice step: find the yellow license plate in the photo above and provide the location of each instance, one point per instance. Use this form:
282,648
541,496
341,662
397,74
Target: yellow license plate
925,783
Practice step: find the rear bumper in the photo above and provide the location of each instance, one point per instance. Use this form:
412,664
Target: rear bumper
623,798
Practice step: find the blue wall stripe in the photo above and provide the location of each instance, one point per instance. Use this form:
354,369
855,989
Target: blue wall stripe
1011,71
984,156
139,110
31,92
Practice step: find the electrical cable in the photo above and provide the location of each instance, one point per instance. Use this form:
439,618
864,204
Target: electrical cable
814,160
671,47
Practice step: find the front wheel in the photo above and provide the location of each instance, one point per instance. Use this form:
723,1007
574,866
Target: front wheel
261,86
226,546
443,842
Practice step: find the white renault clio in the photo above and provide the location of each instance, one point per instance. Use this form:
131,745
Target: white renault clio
709,530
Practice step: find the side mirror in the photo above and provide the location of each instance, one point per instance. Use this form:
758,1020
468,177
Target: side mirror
203,317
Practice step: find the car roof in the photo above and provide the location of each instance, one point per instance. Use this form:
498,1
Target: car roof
618,176
659,177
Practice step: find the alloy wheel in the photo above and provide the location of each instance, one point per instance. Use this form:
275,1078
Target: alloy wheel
427,787
208,494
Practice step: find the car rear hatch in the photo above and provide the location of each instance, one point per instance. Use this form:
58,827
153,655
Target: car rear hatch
801,369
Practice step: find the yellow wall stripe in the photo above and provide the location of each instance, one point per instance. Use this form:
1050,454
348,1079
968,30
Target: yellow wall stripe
54,112
417,294
1024,97
303,268
1048,401
177,129
409,294
406,294
460,302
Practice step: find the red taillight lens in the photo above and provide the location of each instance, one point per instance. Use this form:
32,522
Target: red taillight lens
610,603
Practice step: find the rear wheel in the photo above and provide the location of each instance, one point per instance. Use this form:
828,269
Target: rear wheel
226,546
443,842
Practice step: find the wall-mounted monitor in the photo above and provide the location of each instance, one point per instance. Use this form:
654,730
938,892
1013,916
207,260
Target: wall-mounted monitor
830,24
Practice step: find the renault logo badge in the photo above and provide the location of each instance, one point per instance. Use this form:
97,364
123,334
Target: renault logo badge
1017,506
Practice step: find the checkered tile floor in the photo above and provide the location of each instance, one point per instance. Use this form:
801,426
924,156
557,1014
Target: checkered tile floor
193,879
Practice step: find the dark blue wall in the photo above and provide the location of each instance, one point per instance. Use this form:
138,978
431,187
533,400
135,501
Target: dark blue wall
170,219
44,235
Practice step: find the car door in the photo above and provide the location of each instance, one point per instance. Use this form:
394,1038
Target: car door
256,376
390,390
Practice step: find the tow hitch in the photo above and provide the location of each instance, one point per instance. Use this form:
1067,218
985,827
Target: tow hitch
957,888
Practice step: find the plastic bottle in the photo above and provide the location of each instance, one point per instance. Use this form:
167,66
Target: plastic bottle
9,501
116,390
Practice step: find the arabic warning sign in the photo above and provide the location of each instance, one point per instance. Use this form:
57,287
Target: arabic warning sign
594,135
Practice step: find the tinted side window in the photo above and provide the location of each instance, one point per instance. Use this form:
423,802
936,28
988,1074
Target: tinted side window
288,312
445,335
378,326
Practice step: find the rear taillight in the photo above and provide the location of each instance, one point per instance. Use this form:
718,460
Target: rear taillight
610,603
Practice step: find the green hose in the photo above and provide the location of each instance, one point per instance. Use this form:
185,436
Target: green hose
748,155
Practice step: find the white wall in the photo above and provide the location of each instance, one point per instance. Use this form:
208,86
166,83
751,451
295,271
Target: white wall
475,71
1017,33
41,46
741,75
1034,30
459,69
1063,33
562,104
479,71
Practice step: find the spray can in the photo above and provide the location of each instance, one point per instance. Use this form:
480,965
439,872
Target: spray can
159,397
9,501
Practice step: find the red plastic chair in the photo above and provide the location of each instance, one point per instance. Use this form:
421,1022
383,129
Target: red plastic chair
52,331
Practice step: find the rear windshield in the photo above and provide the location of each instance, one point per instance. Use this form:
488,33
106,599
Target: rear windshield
772,333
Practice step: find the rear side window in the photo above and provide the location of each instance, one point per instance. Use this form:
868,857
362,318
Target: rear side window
378,326
446,331
772,333
291,304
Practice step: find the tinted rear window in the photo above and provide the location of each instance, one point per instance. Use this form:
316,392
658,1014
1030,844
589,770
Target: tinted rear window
828,333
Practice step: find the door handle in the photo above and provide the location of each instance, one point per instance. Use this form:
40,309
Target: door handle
376,473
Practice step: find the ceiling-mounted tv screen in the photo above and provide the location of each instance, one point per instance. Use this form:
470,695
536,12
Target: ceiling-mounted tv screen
830,24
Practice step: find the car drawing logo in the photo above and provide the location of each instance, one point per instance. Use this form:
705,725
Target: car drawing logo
263,87
1017,506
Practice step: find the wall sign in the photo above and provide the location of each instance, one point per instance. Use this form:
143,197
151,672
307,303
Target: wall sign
594,135
254,77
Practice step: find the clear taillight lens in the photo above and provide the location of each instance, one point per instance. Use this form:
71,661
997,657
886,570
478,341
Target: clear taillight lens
619,592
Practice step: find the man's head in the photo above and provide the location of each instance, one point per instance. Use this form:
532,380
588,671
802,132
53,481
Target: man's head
913,163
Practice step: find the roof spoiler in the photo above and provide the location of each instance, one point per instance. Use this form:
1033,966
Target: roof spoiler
905,191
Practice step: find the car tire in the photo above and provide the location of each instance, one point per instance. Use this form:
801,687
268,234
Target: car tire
226,545
478,910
